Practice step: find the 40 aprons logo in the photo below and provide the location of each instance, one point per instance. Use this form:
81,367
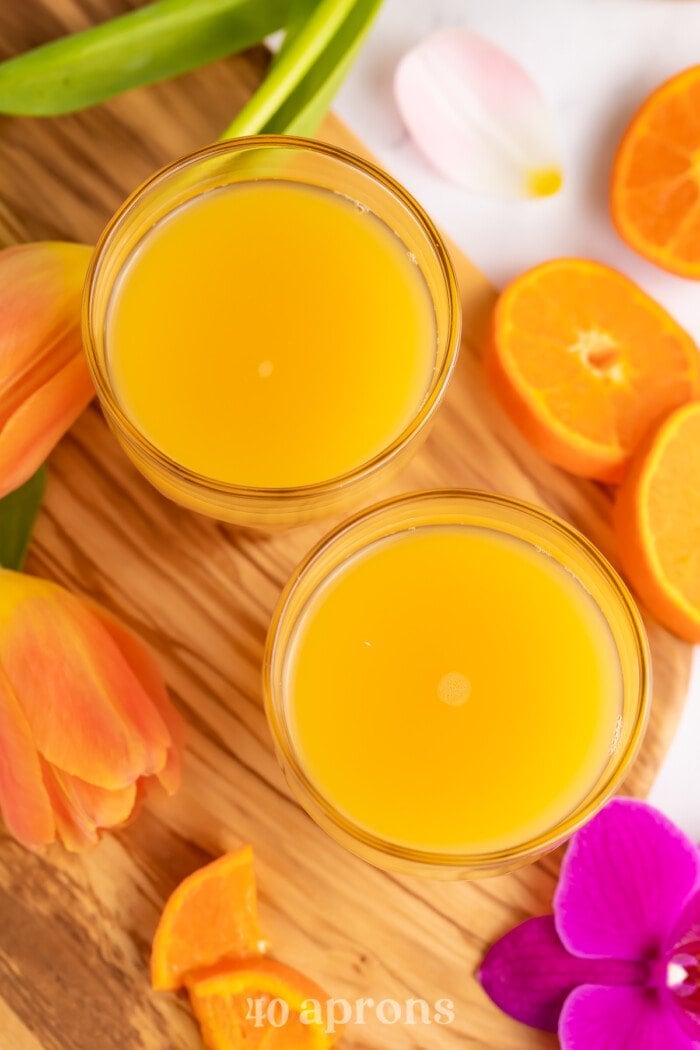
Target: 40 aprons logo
332,1014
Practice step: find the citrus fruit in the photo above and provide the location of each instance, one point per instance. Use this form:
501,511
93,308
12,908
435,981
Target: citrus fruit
657,521
212,915
655,190
585,363
259,1004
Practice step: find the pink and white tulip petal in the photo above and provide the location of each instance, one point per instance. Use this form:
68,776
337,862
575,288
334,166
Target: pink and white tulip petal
478,117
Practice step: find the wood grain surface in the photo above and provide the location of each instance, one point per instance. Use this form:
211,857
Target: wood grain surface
75,931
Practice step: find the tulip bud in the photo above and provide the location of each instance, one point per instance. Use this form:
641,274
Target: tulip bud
86,725
44,379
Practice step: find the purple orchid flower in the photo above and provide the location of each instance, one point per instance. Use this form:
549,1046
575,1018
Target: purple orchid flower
617,967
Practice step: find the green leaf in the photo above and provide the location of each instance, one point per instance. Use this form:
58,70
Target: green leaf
18,513
307,46
161,40
307,105
299,13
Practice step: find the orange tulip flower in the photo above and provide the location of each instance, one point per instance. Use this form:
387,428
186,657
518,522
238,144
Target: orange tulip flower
86,726
44,380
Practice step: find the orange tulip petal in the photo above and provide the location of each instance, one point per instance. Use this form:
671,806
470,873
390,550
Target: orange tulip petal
145,666
88,713
83,811
41,287
75,829
170,775
105,809
24,800
41,420
44,381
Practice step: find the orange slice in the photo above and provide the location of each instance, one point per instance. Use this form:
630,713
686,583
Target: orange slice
655,191
212,915
585,362
657,521
260,1004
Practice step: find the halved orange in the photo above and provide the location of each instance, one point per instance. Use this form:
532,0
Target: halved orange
657,521
260,1004
655,190
585,363
212,915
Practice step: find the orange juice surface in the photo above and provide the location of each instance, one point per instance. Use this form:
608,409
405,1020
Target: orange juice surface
453,689
270,335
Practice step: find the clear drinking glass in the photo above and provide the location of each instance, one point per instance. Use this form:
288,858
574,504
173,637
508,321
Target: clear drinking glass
310,163
510,517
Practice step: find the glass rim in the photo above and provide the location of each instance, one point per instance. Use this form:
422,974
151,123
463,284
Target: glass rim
438,382
474,861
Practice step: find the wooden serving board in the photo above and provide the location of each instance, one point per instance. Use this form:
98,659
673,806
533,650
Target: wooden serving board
75,931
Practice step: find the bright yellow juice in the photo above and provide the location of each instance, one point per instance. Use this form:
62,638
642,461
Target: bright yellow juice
271,335
453,689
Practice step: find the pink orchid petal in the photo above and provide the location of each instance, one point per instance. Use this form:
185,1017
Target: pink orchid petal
529,973
684,951
619,1019
24,802
624,882
477,115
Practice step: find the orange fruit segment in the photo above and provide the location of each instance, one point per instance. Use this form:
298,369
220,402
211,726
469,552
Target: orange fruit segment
655,189
259,1004
212,915
585,363
657,522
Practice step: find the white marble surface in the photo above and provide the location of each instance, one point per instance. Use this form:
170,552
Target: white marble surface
594,61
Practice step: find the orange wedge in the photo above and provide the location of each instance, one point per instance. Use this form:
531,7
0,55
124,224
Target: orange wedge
657,521
655,191
212,915
585,363
259,1004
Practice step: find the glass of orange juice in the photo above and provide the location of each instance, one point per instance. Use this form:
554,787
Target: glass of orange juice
271,324
455,682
